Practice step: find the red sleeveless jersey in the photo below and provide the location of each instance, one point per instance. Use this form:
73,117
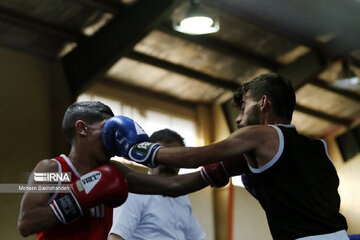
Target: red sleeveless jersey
93,225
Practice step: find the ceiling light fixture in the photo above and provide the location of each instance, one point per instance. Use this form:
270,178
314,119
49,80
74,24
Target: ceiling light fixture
196,20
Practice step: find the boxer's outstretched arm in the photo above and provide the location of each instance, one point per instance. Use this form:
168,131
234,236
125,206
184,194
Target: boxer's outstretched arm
35,213
172,186
261,141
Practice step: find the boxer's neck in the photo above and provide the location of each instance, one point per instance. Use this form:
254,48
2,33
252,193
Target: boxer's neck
82,160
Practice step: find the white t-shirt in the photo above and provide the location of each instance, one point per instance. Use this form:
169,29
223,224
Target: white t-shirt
154,217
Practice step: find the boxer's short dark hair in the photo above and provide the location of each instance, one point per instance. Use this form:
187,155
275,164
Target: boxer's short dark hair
167,136
87,111
276,87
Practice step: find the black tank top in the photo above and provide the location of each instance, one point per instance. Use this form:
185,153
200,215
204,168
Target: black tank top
298,188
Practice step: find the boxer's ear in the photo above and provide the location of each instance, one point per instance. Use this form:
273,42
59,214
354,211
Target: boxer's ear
81,128
265,103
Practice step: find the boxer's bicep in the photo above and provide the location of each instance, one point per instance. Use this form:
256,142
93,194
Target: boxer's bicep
33,199
257,143
35,214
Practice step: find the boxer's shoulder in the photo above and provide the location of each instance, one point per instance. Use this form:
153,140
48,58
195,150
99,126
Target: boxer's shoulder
46,165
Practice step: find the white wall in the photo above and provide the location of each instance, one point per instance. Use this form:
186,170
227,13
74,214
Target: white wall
249,218
349,188
202,205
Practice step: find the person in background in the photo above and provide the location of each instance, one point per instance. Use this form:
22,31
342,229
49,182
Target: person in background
156,216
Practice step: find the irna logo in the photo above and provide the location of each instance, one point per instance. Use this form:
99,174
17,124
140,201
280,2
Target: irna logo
52,177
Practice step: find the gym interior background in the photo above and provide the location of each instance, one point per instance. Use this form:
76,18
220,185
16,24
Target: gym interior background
52,52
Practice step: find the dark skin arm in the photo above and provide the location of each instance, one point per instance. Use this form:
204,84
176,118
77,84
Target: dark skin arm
172,186
258,143
35,214
114,237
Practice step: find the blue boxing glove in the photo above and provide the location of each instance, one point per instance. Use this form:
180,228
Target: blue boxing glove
123,137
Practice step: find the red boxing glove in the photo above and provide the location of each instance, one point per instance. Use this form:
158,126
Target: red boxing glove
218,174
103,185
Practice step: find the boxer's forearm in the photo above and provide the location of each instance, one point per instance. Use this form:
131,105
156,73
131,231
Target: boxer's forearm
193,157
172,186
36,220
163,185
121,167
189,183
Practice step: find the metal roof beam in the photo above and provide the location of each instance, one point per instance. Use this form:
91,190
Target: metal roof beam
345,93
93,57
321,115
304,68
27,22
179,69
162,96
103,6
